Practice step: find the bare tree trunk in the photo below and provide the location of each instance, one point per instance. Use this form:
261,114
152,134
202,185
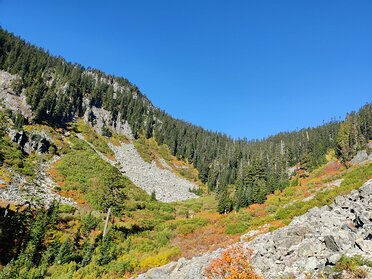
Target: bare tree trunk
106,223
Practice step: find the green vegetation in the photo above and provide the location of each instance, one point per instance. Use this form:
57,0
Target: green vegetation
109,189
353,265
95,139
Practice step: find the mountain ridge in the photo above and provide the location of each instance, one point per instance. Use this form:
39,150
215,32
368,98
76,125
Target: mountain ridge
57,91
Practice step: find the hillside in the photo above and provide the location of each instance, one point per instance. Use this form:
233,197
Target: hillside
311,245
76,144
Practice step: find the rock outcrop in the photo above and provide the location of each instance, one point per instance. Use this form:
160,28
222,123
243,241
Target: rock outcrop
31,142
308,245
101,118
361,157
10,100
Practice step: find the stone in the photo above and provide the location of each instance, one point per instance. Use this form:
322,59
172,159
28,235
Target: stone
340,200
331,244
334,258
19,189
364,245
311,264
30,142
43,146
360,157
10,100
167,185
362,219
309,248
366,191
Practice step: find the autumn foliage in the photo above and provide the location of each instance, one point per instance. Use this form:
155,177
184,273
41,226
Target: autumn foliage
234,263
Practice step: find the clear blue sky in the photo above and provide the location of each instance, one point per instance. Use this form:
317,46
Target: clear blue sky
246,68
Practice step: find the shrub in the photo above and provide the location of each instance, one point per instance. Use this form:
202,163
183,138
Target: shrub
66,208
185,229
89,222
163,257
351,263
234,263
236,228
289,191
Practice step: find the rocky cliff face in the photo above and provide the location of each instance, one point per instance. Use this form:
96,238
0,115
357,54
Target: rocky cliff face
9,99
311,244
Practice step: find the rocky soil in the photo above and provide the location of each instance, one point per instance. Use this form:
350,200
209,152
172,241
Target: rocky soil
167,186
310,244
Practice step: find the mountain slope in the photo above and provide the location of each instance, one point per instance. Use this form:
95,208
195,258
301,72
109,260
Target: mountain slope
58,91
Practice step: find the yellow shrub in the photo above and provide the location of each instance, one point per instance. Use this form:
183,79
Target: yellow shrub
163,257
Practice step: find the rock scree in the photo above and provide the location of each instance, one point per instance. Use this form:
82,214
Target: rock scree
168,187
37,192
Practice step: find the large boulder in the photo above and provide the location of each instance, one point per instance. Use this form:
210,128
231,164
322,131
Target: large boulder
361,157
30,142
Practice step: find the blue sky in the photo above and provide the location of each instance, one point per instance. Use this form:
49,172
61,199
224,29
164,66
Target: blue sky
246,68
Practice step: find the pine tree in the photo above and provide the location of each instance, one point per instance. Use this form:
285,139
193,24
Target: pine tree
224,202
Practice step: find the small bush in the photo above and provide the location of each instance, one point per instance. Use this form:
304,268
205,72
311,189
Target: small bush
239,227
351,263
89,222
162,258
234,263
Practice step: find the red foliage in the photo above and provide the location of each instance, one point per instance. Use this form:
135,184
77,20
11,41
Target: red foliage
333,167
234,263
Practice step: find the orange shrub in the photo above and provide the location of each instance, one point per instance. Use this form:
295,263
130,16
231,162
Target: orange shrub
233,264
307,194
